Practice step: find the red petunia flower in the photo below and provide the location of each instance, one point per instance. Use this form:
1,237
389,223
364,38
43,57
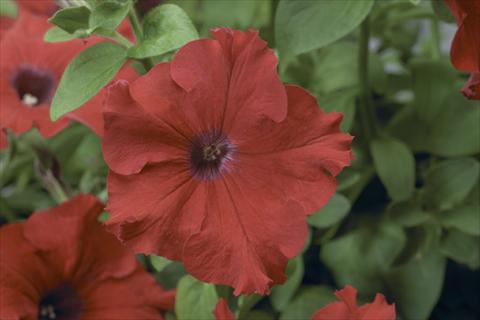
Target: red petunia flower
222,311
347,308
465,50
62,264
30,70
44,8
5,24
214,162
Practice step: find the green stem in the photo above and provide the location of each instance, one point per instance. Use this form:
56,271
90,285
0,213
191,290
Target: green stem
54,187
366,111
121,40
138,31
435,39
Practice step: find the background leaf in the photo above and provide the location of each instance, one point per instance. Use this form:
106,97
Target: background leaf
86,74
195,300
301,26
333,212
395,165
166,28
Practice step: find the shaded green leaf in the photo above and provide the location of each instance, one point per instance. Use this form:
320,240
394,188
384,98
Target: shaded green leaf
71,19
333,212
454,132
282,294
432,82
8,8
416,286
361,256
465,218
307,302
86,74
449,182
407,213
166,28
301,26
108,14
195,299
462,248
395,166
57,34
159,263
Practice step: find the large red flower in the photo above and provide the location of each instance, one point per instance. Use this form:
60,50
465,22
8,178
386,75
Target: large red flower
214,162
222,311
62,264
30,70
465,50
347,308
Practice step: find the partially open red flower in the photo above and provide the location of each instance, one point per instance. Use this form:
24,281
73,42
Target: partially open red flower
222,311
30,70
62,264
465,50
347,308
214,162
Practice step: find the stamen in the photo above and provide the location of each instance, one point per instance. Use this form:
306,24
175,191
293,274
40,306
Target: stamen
29,99
48,312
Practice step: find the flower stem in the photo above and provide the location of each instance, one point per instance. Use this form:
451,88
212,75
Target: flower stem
366,111
138,31
435,39
54,187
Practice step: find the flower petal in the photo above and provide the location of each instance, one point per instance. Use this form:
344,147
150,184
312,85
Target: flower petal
379,309
247,235
171,209
471,89
222,312
333,311
134,137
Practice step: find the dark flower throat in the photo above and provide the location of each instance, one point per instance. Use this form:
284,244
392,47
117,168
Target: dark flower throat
210,153
34,85
62,303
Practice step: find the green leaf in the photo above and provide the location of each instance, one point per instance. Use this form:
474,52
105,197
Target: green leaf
343,101
407,213
416,286
234,14
395,166
166,28
462,248
86,74
56,34
333,212
195,299
449,182
465,218
282,294
108,15
71,19
159,263
432,82
442,11
8,8
301,26
454,132
359,257
307,302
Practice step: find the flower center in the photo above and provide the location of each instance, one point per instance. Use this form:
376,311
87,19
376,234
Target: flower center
62,303
34,85
210,153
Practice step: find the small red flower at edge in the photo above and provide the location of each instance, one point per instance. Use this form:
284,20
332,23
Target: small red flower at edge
30,70
62,264
465,50
347,308
215,163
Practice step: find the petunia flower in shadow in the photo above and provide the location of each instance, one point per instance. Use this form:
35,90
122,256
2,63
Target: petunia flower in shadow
30,70
216,163
61,264
347,309
465,50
